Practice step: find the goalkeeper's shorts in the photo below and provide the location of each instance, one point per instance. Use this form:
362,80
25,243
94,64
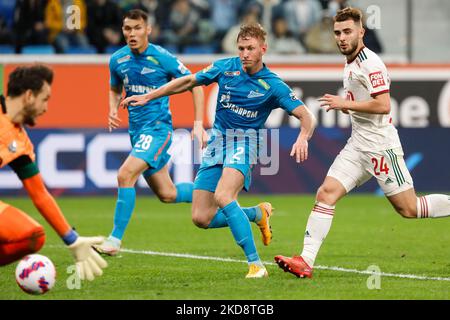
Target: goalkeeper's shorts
19,234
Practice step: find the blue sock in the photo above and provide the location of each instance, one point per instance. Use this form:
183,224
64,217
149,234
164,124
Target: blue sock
184,192
126,197
219,221
241,230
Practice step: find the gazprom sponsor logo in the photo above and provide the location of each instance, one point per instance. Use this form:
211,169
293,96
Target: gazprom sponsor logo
138,88
240,111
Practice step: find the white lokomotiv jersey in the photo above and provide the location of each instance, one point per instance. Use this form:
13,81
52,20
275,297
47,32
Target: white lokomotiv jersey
364,78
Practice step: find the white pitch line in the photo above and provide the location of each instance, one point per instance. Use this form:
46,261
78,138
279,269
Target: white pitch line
339,269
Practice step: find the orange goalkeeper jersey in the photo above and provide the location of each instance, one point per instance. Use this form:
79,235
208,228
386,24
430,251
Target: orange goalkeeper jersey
14,141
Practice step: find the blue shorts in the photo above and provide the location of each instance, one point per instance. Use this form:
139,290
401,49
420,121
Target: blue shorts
240,155
151,145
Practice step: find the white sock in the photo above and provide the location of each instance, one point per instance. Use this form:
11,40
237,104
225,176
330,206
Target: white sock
115,240
319,223
433,206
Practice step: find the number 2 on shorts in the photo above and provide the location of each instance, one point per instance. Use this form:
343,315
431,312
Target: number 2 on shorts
236,156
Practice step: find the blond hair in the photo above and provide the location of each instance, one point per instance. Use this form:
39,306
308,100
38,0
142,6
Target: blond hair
252,30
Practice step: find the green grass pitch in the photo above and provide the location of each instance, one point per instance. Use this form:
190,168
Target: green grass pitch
365,232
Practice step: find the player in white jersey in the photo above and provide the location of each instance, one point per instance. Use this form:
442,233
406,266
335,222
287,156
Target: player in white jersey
373,150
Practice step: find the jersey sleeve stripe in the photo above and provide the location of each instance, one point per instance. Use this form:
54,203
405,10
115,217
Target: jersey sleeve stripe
362,56
374,94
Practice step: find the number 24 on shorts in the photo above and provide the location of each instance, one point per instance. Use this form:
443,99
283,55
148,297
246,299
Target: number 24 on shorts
380,166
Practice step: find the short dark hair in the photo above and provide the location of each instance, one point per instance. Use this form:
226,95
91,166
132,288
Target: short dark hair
254,30
25,78
136,14
348,13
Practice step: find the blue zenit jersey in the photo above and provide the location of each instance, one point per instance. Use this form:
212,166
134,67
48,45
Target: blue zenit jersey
141,73
245,101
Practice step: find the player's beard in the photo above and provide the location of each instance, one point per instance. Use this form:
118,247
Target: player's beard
29,115
352,46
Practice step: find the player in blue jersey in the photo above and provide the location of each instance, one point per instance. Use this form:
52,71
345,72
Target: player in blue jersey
137,68
248,92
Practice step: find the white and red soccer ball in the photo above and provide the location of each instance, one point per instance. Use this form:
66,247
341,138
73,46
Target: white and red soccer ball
35,274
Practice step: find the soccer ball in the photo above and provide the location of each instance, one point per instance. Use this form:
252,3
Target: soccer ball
35,274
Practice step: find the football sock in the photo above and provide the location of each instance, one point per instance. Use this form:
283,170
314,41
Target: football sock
253,214
241,230
115,241
126,198
317,228
433,206
184,192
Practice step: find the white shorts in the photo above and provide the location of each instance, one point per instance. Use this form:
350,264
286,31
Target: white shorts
353,168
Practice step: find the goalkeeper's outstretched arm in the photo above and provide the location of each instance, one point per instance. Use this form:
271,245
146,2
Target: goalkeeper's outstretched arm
89,263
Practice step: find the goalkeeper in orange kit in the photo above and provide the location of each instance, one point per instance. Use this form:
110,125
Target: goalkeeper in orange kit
28,92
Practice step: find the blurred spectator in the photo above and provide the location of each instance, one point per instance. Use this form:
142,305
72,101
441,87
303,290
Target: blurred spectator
302,15
324,3
229,41
282,41
183,24
126,5
57,17
5,32
157,12
7,12
29,23
334,5
254,8
224,15
320,37
268,9
202,7
371,40
104,24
